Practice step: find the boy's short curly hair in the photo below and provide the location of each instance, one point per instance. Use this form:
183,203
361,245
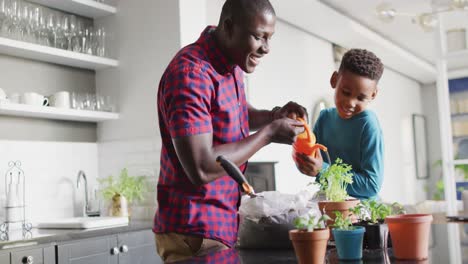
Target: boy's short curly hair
362,62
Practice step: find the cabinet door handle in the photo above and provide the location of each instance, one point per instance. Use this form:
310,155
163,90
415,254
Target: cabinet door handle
115,251
124,249
28,260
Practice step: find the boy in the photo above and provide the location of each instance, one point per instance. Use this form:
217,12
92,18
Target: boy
349,131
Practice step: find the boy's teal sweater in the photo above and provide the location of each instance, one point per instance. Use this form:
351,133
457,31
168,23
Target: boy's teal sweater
358,141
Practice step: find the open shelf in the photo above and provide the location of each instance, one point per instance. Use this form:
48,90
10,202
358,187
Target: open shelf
87,8
54,55
48,112
456,61
460,117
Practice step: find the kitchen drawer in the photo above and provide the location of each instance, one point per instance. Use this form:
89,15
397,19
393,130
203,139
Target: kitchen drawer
5,258
97,250
36,256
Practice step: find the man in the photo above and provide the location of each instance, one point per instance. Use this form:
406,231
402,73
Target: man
203,113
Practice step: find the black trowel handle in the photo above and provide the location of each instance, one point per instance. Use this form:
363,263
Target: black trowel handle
231,169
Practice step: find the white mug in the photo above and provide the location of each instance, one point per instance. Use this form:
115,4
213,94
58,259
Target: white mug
2,94
60,99
15,98
34,99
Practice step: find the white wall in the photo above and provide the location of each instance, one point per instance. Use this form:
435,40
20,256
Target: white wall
50,170
193,18
147,36
398,98
431,110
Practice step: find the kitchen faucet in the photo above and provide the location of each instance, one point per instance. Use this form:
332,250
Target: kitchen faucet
86,209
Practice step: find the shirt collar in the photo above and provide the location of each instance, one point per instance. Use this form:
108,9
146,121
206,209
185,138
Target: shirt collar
216,57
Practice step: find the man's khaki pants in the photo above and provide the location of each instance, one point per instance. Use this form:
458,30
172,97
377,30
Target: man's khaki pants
177,247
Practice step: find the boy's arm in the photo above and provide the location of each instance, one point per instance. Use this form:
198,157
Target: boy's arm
368,180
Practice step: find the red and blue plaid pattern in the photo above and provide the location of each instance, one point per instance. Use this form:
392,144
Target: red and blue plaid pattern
200,92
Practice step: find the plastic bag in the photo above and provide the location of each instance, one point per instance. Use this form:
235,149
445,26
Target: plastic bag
266,220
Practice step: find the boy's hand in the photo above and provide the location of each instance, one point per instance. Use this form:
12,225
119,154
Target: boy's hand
291,110
309,165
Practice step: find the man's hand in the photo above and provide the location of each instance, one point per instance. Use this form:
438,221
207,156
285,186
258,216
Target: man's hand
291,110
309,165
285,130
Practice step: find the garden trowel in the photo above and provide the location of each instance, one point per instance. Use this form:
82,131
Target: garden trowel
235,173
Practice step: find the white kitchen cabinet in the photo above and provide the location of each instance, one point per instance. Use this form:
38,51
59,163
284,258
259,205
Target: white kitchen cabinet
124,248
36,255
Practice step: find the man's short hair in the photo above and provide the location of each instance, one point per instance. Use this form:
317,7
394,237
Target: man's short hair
363,63
241,10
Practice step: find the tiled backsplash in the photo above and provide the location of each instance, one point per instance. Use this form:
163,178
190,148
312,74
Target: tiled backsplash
50,170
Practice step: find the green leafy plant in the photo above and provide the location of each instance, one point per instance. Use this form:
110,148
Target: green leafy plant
373,211
131,187
438,194
309,223
343,222
335,179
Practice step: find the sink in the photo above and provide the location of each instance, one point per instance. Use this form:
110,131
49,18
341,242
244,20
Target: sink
83,222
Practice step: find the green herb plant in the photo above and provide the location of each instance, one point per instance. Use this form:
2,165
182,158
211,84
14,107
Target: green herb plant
310,224
439,186
373,211
335,179
342,222
131,187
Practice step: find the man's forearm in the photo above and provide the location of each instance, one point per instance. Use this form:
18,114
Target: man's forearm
260,118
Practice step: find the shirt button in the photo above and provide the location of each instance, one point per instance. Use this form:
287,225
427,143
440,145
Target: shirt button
238,103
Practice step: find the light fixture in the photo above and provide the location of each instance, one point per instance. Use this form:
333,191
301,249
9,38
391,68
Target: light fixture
428,20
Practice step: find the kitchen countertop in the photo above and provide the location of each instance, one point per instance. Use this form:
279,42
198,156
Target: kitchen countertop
49,236
448,244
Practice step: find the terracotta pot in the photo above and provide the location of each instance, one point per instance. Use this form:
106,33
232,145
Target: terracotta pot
410,235
310,247
328,207
119,206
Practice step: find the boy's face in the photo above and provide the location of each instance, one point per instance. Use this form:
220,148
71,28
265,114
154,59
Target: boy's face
352,93
249,40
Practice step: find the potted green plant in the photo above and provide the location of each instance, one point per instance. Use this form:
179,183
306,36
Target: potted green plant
333,183
348,238
310,239
122,191
371,215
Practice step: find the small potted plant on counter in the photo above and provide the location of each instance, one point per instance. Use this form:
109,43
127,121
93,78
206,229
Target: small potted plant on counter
123,191
310,239
333,183
371,215
348,238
